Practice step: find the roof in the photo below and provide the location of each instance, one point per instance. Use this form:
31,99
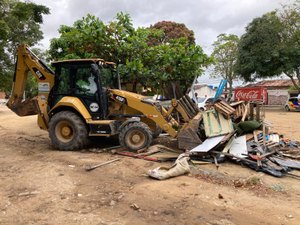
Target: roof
272,83
93,60
199,86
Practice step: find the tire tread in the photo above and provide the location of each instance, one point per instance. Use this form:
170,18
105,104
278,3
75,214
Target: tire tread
81,135
135,125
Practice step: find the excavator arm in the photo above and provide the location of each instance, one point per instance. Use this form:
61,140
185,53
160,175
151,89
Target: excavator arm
188,135
27,62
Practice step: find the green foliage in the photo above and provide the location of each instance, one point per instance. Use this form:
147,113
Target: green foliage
271,46
177,61
19,23
143,63
259,48
292,88
224,56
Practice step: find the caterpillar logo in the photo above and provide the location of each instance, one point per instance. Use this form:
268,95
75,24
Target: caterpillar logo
94,107
120,99
39,74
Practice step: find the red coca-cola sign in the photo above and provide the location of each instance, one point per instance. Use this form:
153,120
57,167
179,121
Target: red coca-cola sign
250,94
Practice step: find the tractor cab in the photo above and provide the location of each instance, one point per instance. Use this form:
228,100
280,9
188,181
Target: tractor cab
87,80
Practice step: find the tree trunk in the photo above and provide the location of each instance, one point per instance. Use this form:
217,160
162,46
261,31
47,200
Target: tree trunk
297,86
230,90
298,76
134,84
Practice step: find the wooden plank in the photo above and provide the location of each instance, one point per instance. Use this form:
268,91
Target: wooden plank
228,110
224,113
227,106
219,106
255,136
249,137
194,105
184,110
245,113
242,109
238,110
189,106
236,103
251,111
224,109
257,112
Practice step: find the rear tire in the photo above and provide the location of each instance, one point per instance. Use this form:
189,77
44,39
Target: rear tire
287,108
135,136
67,131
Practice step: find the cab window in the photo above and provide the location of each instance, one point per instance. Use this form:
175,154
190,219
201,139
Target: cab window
85,81
63,81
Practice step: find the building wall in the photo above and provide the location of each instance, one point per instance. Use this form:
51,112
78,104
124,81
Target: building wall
277,97
2,95
205,91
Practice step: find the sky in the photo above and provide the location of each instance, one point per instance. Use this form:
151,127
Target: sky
207,18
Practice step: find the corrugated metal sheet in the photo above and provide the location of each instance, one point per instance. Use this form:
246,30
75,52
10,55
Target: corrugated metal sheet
272,83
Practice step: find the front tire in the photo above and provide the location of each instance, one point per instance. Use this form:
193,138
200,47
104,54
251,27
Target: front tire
67,131
157,132
135,136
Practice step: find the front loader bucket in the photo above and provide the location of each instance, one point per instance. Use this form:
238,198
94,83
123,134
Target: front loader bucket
189,135
25,108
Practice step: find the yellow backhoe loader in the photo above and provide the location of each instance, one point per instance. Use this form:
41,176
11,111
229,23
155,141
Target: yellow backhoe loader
82,98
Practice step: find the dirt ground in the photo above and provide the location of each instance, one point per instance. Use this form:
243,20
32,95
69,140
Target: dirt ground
40,185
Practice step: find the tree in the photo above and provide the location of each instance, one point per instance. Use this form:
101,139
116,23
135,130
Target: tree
170,31
290,52
116,41
224,57
144,64
271,46
177,63
19,23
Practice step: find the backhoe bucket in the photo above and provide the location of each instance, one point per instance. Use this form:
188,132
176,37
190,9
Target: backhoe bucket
25,108
189,135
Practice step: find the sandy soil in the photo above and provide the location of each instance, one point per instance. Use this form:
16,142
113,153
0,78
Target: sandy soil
286,123
40,185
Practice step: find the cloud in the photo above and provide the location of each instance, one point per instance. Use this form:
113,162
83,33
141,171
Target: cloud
207,19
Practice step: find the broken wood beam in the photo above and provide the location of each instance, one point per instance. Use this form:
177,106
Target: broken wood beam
89,167
245,112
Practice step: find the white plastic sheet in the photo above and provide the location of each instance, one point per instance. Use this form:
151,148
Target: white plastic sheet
208,144
239,147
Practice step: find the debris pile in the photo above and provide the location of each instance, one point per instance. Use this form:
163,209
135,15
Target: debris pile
235,135
237,132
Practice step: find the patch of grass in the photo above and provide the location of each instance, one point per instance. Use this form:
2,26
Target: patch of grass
253,181
277,188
